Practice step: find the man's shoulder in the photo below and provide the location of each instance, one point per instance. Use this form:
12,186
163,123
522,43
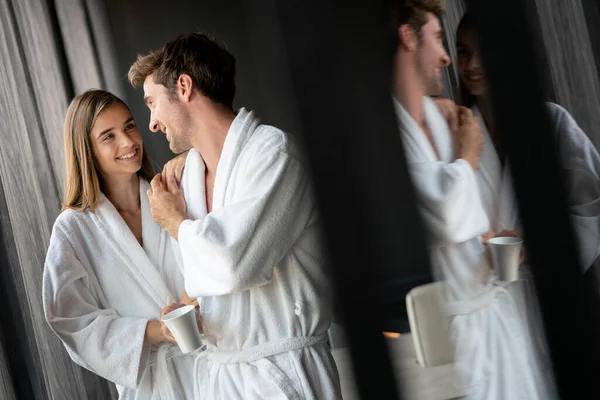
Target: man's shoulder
268,139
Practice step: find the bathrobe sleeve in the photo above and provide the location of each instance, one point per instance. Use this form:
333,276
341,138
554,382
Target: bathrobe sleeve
448,196
581,163
96,338
237,246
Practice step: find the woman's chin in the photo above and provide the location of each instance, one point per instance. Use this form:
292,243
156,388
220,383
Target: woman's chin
477,89
133,169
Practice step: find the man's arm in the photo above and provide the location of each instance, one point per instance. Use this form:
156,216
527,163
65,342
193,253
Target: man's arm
237,247
448,193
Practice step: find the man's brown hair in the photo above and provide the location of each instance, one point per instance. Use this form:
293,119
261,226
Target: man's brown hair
211,67
411,12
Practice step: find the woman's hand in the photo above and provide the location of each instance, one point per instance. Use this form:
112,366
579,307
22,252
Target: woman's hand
487,236
154,333
171,307
185,299
165,330
507,233
504,233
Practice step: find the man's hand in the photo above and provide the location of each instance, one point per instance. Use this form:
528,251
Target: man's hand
468,138
168,206
174,168
449,110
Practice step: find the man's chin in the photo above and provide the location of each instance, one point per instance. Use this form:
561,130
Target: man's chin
178,149
436,89
174,148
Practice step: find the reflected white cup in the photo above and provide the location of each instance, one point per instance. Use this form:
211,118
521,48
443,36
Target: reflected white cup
184,328
506,252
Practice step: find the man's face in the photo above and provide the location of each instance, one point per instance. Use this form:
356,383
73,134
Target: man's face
168,115
431,56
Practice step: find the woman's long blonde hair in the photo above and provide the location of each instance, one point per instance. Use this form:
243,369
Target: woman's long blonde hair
83,183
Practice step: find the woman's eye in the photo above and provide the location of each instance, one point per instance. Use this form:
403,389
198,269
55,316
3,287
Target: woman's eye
463,53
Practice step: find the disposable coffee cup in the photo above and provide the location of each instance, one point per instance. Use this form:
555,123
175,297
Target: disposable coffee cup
184,328
506,252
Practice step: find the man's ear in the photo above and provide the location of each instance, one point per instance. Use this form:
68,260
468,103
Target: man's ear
407,37
185,86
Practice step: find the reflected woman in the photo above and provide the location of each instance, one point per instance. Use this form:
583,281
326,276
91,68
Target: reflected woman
581,164
110,269
578,156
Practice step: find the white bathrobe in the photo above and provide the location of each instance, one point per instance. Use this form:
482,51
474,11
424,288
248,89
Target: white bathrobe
487,332
580,162
100,289
257,266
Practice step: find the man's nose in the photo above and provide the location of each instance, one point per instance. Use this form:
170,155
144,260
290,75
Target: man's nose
446,59
153,124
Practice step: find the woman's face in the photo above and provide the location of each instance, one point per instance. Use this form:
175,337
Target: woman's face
470,68
116,142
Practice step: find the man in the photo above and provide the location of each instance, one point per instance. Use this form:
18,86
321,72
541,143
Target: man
247,226
492,354
443,164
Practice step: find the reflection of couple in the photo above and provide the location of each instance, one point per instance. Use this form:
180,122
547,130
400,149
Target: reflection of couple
465,196
237,230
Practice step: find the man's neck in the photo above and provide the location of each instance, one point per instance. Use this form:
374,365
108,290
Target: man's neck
123,191
213,128
409,92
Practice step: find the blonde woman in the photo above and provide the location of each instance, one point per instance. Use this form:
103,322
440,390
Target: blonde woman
110,268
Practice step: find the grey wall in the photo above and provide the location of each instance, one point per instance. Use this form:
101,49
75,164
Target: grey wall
454,12
140,26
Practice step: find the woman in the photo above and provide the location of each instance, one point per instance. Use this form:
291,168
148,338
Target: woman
578,156
110,269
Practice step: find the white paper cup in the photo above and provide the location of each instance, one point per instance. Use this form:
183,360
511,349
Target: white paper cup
182,324
506,252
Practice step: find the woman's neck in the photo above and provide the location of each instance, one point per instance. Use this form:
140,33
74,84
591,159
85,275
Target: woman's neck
485,107
487,113
123,191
